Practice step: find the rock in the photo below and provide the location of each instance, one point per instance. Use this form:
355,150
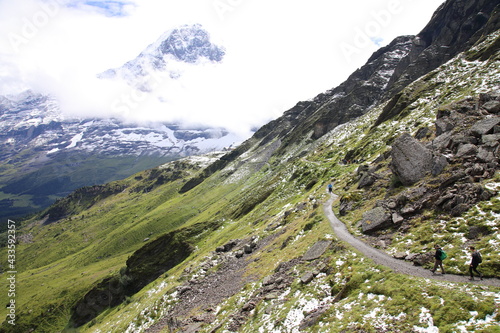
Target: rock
363,168
399,255
367,180
228,246
453,179
268,280
485,155
396,218
249,306
248,248
442,141
460,139
376,219
411,161
476,231
485,126
438,164
443,125
489,139
459,209
475,170
467,150
422,133
411,256
422,259
192,328
307,277
270,296
408,209
317,250
492,106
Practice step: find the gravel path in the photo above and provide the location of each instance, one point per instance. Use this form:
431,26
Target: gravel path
382,258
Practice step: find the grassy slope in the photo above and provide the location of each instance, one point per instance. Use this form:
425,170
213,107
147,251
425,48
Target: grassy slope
83,249
32,189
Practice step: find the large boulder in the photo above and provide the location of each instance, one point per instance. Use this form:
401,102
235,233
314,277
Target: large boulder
411,160
376,219
485,126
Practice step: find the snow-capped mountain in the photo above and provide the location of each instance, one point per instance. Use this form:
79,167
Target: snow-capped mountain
45,154
35,121
187,44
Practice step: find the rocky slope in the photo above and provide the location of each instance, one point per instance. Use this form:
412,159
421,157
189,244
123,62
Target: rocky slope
240,242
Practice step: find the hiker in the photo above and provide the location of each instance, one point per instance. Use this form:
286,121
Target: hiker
475,261
438,256
330,188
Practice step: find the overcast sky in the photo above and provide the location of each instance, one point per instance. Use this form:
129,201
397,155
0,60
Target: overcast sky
278,52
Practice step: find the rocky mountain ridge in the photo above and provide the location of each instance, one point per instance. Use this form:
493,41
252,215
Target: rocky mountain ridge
455,27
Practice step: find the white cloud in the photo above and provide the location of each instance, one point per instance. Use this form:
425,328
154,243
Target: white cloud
277,52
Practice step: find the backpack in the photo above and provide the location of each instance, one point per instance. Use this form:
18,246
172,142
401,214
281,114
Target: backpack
479,257
443,255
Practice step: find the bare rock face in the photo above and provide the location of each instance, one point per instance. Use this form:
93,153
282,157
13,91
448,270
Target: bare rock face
411,160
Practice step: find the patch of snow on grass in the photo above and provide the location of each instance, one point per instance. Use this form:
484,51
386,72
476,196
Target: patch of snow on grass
426,318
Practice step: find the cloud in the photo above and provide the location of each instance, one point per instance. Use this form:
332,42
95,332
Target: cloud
277,53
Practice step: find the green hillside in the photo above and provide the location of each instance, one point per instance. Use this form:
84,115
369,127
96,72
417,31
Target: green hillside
31,188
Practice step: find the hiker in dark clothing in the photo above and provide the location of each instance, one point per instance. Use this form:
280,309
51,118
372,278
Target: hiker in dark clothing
438,256
330,188
475,261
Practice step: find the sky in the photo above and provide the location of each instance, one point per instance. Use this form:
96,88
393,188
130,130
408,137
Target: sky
277,53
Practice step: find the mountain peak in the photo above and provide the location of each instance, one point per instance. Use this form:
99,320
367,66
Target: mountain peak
185,44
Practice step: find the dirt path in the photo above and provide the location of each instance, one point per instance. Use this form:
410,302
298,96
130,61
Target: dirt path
382,258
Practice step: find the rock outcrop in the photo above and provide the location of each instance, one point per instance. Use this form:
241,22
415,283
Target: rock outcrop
445,174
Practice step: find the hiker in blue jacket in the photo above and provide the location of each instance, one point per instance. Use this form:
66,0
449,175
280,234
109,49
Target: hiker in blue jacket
475,261
330,188
438,256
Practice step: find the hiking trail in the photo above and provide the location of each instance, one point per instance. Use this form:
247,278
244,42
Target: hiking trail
382,258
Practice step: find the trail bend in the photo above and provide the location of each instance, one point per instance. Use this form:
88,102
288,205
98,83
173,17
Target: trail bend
382,258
